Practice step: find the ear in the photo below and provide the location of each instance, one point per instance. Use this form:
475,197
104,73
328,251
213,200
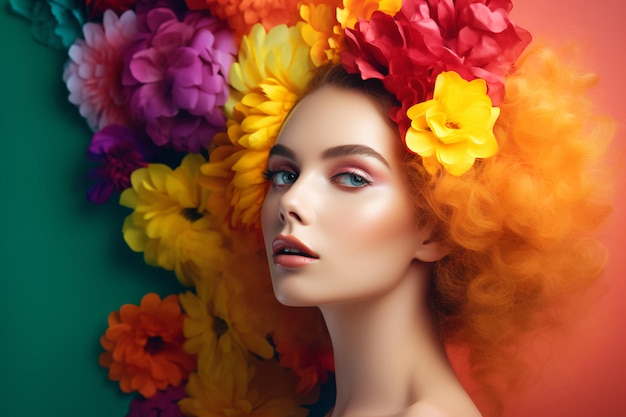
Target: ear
428,249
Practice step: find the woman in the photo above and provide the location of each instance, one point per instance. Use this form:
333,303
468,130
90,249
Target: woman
341,233
433,186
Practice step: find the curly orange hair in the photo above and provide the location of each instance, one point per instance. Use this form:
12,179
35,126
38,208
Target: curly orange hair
517,225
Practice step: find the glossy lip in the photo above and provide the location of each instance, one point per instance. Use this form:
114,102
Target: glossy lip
283,242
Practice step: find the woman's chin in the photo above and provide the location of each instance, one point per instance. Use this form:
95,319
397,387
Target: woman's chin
291,299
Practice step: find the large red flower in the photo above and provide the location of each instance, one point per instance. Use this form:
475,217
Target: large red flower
144,346
474,38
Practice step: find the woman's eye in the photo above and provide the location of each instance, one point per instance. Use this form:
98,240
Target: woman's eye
351,179
280,177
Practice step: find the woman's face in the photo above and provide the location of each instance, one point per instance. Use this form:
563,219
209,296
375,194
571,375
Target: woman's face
337,222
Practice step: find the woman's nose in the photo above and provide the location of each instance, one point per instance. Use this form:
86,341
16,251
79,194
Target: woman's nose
296,204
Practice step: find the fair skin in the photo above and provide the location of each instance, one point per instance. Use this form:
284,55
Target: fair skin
341,234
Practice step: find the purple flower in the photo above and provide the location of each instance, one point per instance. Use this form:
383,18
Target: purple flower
162,404
118,152
176,74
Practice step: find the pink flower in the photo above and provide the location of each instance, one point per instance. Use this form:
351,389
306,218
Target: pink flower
176,74
474,38
93,73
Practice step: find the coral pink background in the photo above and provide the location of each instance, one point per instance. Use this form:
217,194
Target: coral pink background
587,377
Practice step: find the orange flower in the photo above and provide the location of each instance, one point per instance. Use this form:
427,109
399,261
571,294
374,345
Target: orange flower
321,32
310,365
144,346
303,345
325,23
242,15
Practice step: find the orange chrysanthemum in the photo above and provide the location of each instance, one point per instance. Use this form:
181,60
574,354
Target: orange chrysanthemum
242,15
144,346
321,32
326,23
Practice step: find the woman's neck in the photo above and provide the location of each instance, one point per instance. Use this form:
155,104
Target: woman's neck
387,353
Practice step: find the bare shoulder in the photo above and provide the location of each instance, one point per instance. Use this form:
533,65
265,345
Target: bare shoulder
430,409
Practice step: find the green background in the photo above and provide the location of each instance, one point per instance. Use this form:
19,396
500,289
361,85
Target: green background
63,263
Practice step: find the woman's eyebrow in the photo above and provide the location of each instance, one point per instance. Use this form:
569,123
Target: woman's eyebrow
347,150
334,152
282,150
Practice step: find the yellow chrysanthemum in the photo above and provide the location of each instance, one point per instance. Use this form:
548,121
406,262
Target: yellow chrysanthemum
355,9
319,32
266,391
218,327
170,223
455,127
267,78
326,23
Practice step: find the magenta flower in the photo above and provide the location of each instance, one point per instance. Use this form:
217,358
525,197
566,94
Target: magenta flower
176,74
162,404
98,7
93,73
474,38
118,153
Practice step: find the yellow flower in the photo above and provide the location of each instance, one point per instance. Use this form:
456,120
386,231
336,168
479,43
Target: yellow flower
355,9
455,127
170,223
320,32
263,389
218,328
325,24
267,78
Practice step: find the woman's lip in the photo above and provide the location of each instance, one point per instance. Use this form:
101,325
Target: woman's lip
282,243
292,261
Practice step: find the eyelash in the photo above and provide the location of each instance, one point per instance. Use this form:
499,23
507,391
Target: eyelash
270,175
352,173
